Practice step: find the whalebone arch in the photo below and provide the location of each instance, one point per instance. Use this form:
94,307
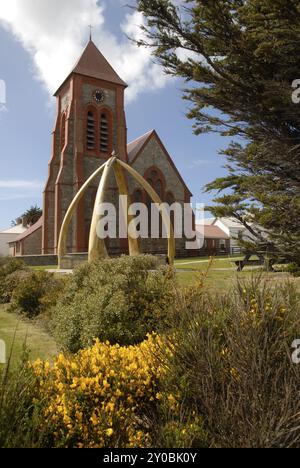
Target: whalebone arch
97,248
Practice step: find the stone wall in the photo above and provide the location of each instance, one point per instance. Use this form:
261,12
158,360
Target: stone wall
32,245
153,155
40,260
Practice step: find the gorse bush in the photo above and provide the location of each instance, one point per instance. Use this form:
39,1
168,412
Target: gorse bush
35,293
232,368
119,300
100,397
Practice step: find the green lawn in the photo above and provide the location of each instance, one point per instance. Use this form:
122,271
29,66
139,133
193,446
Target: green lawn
39,343
43,268
221,272
202,263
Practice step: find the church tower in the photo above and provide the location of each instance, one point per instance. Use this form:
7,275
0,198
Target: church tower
90,124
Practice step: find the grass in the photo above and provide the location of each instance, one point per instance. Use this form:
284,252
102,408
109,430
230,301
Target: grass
222,272
201,263
43,268
38,342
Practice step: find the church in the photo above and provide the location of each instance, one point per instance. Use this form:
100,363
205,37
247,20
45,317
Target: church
90,125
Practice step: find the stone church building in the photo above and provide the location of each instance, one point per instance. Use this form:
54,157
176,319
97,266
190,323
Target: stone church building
90,125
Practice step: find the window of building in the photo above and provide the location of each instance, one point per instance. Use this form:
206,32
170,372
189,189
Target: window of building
223,245
104,133
90,133
170,199
157,181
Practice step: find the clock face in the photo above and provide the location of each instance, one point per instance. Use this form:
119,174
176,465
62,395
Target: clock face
99,96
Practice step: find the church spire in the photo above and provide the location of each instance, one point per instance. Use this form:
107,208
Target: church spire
94,65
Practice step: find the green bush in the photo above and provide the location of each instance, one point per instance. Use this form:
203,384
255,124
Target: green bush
10,283
12,271
294,270
35,293
119,300
9,265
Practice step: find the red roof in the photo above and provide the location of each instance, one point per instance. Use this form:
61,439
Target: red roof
212,232
93,64
29,231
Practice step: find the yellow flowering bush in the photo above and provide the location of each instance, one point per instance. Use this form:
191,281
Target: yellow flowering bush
99,397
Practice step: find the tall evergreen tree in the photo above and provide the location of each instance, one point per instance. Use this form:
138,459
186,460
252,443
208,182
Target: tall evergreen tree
241,56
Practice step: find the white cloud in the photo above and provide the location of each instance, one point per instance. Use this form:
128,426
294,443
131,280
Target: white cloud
20,184
54,32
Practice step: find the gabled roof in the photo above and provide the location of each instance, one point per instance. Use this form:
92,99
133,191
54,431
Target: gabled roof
29,231
230,223
19,229
212,232
205,222
94,65
135,148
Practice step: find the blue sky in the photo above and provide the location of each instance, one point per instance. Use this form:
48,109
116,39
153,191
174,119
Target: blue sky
32,64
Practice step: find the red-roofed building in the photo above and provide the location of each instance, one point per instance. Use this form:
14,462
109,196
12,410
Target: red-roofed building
216,241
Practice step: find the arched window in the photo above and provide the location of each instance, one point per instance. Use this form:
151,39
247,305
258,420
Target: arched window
170,199
63,132
105,130
90,131
157,181
158,187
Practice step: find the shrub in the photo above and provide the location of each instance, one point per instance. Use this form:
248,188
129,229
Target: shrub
231,365
10,283
35,293
294,270
100,397
119,300
12,271
9,265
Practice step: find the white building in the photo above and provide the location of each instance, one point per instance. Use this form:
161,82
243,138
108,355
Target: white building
235,230
10,235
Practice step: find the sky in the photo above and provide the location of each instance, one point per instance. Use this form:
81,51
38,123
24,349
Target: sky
40,41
